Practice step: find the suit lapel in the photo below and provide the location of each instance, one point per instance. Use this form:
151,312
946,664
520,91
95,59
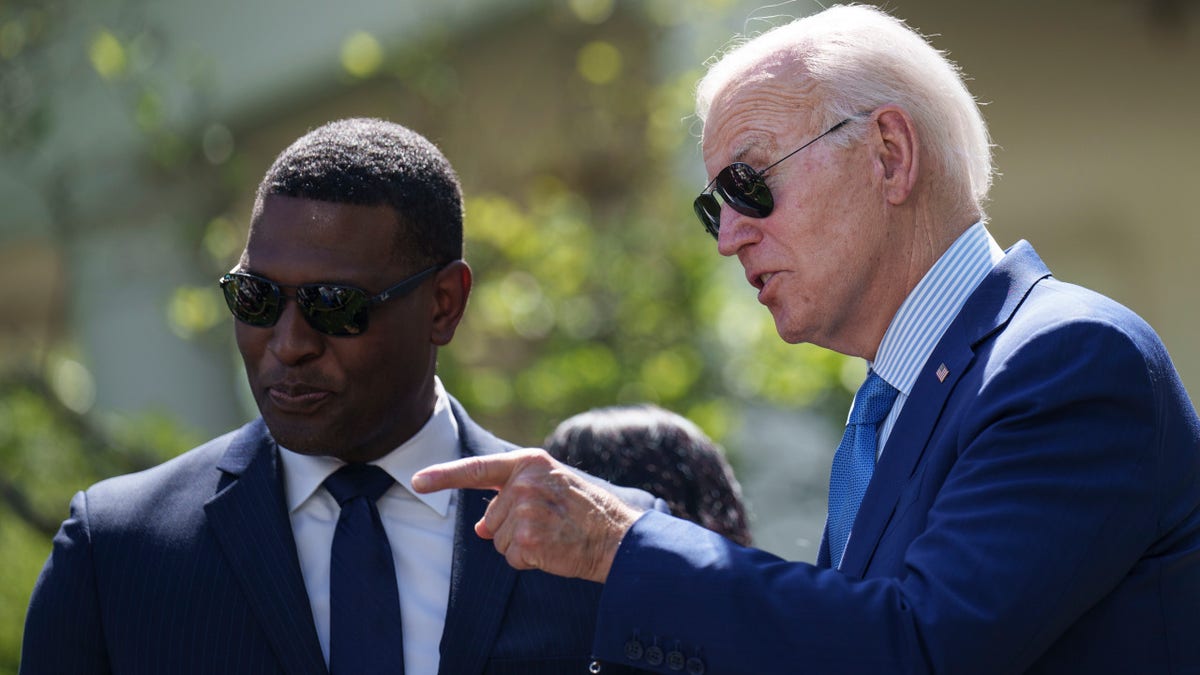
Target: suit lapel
480,579
903,451
987,310
248,517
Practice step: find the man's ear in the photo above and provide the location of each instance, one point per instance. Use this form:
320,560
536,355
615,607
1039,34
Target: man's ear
899,152
451,287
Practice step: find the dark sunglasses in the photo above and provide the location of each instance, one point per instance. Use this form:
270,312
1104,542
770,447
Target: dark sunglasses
332,309
744,189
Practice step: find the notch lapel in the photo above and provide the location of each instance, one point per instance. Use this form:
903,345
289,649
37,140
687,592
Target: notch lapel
248,517
987,310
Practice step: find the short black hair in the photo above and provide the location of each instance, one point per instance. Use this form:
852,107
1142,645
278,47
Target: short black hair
373,162
661,452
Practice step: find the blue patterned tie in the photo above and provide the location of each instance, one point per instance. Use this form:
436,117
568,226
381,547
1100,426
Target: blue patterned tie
364,602
854,461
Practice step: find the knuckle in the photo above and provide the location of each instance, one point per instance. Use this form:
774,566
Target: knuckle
526,538
475,469
523,490
529,511
516,558
536,458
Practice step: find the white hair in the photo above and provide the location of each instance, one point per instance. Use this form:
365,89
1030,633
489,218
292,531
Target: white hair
857,58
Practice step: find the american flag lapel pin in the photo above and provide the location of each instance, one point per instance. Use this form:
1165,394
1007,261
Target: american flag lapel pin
942,372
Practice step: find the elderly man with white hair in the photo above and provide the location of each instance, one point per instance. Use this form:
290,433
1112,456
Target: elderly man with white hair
1018,487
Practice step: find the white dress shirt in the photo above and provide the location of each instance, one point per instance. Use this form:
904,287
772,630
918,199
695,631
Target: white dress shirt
420,529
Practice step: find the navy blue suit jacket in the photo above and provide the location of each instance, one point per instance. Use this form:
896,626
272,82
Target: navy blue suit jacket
1035,510
190,567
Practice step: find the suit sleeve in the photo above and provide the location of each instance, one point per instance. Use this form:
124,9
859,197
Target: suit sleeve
63,630
1058,470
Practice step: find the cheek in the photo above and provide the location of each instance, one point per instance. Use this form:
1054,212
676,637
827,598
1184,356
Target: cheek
843,216
251,342
367,366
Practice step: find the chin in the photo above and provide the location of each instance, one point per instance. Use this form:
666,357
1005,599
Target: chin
787,333
792,340
296,437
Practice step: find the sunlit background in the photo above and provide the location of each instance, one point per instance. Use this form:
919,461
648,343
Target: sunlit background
133,134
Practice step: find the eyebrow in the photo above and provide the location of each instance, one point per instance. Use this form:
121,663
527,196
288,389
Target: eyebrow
755,145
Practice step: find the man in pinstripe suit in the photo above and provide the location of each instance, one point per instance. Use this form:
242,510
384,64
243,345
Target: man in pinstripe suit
219,561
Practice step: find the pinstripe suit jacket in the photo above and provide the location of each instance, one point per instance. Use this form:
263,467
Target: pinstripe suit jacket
190,567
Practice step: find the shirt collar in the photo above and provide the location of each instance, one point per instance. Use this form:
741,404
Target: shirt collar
932,305
436,442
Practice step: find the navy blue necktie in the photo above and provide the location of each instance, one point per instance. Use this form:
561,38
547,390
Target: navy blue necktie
854,462
364,602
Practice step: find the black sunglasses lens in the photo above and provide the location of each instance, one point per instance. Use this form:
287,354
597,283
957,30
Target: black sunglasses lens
334,310
744,189
708,210
252,300
331,309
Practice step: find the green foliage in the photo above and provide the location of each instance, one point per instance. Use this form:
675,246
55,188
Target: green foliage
574,309
25,549
47,452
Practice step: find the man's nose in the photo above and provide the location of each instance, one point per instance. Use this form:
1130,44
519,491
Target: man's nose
292,339
737,231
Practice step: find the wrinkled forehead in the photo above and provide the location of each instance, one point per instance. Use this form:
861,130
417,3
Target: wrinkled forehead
755,114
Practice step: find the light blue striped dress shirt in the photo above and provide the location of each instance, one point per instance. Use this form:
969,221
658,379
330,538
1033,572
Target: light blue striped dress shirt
928,311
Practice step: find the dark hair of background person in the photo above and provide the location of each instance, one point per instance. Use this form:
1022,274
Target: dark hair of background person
663,453
373,162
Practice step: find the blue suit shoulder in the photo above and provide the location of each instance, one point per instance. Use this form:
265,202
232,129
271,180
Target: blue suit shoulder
1069,328
176,488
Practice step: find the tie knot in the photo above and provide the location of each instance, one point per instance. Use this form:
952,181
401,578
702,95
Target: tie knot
358,480
873,400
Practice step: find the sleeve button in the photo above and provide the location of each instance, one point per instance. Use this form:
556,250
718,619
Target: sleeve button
675,660
633,650
654,655
695,666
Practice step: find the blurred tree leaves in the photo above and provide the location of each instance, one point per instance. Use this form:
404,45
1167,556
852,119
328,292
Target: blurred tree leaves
51,441
47,452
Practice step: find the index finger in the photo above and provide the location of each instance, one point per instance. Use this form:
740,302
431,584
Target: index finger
490,472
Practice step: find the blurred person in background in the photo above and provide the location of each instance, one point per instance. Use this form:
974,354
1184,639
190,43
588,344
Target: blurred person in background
661,452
